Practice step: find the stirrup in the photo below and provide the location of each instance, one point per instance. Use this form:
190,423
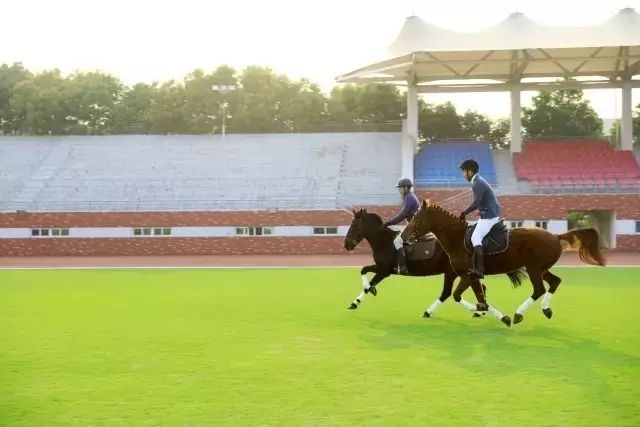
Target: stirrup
401,272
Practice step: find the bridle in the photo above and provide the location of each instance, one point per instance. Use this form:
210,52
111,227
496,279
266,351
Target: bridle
355,241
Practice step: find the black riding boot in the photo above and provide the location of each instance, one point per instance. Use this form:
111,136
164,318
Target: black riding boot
402,263
477,260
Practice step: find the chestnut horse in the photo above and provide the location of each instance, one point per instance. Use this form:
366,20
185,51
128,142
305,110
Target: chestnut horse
370,227
535,249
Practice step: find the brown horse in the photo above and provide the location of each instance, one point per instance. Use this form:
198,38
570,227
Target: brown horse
370,227
535,249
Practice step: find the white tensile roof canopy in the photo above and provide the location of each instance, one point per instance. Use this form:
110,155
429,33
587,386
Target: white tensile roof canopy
516,49
515,55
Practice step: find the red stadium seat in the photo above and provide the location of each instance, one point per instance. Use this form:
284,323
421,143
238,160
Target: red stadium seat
576,165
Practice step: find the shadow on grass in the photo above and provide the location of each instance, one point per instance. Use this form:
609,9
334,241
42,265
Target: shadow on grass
544,351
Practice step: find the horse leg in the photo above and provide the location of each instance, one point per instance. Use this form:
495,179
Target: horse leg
447,286
368,287
478,290
365,284
535,276
553,281
484,293
463,285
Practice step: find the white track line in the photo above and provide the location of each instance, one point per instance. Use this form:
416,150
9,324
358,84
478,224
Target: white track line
290,267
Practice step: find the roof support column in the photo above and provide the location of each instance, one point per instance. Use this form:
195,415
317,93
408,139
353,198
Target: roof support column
410,132
516,122
626,125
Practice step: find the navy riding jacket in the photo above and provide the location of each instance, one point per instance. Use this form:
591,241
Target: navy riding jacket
410,206
484,199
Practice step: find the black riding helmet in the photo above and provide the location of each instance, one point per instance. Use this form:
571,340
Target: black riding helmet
470,165
404,182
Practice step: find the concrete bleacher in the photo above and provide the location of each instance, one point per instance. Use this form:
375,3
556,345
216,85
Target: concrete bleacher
141,172
436,164
577,166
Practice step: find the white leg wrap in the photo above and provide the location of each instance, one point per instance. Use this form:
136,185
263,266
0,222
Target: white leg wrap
365,282
495,313
466,304
525,305
359,298
437,303
546,300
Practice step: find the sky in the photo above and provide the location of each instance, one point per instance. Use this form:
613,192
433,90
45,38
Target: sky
320,39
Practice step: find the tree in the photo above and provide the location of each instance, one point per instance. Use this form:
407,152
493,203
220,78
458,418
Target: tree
204,105
90,102
475,125
303,108
559,114
39,105
614,134
10,77
132,114
375,105
167,109
500,135
380,103
440,121
260,94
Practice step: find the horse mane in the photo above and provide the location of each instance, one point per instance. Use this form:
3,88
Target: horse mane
363,211
446,212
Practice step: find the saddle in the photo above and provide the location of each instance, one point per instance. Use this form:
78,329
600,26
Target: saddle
423,249
495,242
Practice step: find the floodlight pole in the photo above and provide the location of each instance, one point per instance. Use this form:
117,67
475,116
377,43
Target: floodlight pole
224,107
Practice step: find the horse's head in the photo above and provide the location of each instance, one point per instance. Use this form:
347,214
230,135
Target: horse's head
362,225
429,219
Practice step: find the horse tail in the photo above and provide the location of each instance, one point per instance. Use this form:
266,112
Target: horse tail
587,242
516,277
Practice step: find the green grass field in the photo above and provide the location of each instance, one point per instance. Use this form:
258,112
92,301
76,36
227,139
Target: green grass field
278,347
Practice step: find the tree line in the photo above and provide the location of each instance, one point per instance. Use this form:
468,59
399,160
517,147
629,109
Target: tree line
97,103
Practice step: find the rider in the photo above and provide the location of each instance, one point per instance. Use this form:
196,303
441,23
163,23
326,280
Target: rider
410,206
485,201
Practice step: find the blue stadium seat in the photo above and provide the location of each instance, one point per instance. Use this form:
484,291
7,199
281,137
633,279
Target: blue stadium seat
436,165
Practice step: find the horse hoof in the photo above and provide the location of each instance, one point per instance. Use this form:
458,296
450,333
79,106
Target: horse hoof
353,306
517,318
373,291
547,312
478,314
506,320
426,315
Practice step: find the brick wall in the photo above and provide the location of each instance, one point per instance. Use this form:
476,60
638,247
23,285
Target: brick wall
545,207
627,206
174,219
177,246
628,243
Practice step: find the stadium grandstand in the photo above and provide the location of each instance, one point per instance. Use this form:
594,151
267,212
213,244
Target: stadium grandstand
117,194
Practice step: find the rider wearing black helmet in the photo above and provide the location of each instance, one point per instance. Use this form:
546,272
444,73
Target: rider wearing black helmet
485,201
410,206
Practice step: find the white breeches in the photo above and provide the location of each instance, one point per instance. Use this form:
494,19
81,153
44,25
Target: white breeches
397,242
482,229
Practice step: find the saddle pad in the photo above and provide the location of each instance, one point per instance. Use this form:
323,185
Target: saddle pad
423,249
495,242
